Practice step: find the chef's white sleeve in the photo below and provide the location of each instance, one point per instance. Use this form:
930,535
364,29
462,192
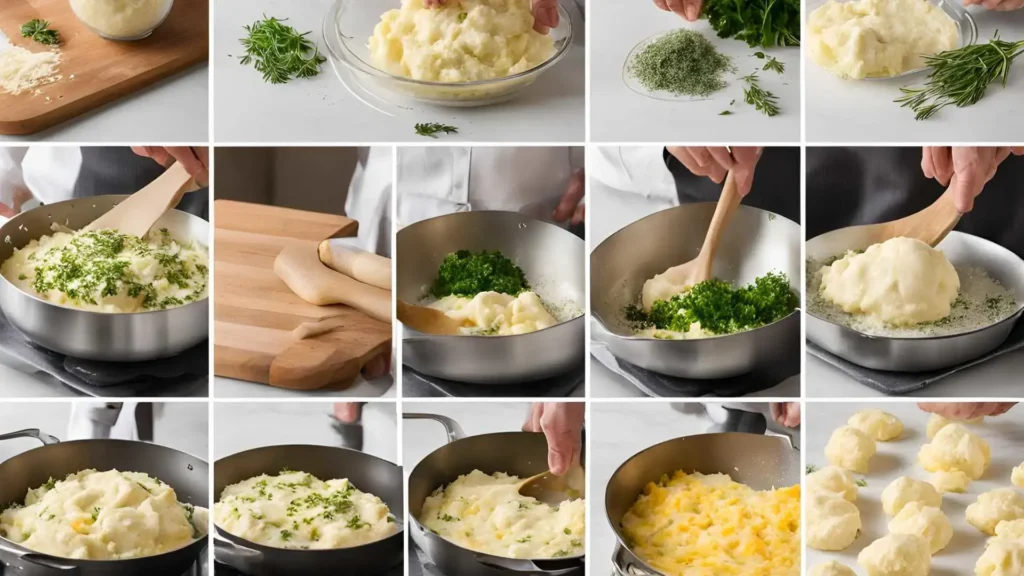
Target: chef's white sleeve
11,174
50,172
369,198
624,185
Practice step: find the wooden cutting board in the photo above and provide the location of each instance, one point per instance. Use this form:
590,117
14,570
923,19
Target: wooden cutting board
103,70
255,312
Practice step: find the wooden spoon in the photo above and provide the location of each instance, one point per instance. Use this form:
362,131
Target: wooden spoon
553,490
695,271
930,225
300,268
427,320
137,213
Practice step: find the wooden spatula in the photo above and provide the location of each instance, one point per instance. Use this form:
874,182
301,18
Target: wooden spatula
930,225
699,269
427,320
300,268
137,213
553,490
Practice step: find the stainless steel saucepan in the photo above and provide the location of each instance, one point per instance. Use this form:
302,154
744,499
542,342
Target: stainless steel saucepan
759,461
129,337
755,242
521,454
919,354
188,475
553,260
367,473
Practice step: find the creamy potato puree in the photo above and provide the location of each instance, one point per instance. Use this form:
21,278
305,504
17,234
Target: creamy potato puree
487,514
108,515
493,313
695,332
104,271
878,38
121,18
298,510
460,41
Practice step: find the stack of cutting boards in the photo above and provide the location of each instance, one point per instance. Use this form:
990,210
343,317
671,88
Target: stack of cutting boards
97,71
255,312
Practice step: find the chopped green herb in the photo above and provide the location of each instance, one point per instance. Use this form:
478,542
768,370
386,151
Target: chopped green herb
355,523
40,31
862,483
725,113
575,542
432,129
466,273
524,539
759,55
463,16
446,517
764,23
560,554
286,535
50,484
683,63
811,468
280,52
314,534
95,514
566,531
774,65
22,277
761,99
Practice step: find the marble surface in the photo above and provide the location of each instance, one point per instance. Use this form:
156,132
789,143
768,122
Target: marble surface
1005,435
240,426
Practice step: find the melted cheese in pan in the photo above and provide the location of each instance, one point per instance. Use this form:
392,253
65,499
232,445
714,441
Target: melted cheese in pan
493,313
709,525
298,510
104,516
487,514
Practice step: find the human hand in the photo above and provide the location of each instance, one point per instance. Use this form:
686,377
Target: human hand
571,205
195,159
348,412
786,413
966,410
999,5
688,9
562,425
973,167
716,161
545,13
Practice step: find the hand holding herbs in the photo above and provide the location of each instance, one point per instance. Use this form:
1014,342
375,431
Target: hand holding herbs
40,31
280,52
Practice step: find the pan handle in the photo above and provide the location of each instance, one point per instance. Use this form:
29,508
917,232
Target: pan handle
36,433
33,563
452,427
235,555
624,567
527,566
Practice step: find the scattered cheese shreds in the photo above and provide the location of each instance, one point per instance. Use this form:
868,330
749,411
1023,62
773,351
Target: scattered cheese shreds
22,70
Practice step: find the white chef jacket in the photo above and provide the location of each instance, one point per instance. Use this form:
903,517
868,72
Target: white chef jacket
625,185
48,172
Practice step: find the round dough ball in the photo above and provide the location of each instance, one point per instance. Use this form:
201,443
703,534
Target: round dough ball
901,282
896,555
956,448
1001,558
1011,529
1017,477
850,448
995,506
955,481
927,522
833,480
905,490
881,426
831,568
936,422
832,522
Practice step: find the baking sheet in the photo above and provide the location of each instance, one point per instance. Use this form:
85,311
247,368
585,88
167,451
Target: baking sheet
1005,435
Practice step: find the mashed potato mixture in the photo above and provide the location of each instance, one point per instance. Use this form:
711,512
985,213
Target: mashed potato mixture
108,515
460,41
492,313
122,18
709,525
487,514
878,38
104,271
298,510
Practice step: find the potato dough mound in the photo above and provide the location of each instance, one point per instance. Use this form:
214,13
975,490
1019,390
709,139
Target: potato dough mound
900,282
881,426
896,555
1017,477
832,568
955,481
905,490
994,507
850,448
927,522
936,423
955,448
833,480
1002,557
1011,529
832,522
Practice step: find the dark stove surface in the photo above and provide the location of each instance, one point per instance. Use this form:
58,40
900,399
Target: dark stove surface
419,385
224,570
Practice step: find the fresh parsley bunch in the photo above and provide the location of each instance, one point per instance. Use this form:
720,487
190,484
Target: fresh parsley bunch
764,23
466,273
40,31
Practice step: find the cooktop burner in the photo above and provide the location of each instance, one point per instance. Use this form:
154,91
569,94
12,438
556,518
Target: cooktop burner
415,384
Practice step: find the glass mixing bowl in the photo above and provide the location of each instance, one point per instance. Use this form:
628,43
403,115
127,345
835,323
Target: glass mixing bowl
89,12
349,25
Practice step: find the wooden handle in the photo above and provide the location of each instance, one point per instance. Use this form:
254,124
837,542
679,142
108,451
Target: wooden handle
300,268
930,225
727,204
366,267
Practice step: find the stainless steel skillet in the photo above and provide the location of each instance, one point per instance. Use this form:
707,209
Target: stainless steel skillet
554,262
919,354
368,473
756,242
188,475
95,335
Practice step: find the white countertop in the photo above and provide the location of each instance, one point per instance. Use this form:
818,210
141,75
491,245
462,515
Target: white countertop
863,110
618,114
240,426
322,109
1005,434
607,384
421,437
997,378
383,387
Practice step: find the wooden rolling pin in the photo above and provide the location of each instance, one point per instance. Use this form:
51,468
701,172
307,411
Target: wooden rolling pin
300,268
353,262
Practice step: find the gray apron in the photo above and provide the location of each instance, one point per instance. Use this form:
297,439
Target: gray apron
118,170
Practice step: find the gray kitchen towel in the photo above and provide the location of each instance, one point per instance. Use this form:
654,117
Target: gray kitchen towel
416,385
905,382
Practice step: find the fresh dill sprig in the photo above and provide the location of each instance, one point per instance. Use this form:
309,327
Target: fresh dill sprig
811,468
280,52
961,77
761,99
432,129
774,65
40,31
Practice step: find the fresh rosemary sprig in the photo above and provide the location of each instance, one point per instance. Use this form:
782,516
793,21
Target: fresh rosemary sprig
280,52
761,99
961,77
774,65
432,129
40,31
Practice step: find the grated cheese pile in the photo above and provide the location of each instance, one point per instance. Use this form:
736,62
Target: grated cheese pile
22,70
